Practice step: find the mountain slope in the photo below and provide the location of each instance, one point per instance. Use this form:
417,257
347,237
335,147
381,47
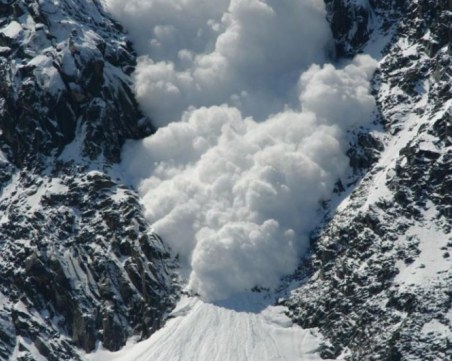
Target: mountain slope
377,284
79,264
82,273
380,281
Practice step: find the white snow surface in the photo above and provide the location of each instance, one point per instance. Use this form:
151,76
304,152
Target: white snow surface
434,326
430,265
244,328
13,30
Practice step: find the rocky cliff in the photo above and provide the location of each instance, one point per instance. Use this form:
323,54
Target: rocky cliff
79,265
380,279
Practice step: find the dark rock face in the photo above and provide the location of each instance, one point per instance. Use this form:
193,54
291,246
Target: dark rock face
353,22
82,258
78,262
379,282
66,61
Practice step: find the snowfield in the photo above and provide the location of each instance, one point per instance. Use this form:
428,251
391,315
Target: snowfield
244,328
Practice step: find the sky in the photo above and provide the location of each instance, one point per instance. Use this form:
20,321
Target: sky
253,119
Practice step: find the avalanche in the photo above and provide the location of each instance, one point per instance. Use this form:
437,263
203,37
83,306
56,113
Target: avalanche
234,189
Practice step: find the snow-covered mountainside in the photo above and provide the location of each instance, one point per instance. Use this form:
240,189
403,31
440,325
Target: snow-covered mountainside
84,277
78,262
380,279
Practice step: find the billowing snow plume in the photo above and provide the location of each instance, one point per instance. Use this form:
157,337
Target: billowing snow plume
252,135
235,197
247,53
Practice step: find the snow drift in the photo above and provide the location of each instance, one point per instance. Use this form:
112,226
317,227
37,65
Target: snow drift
252,136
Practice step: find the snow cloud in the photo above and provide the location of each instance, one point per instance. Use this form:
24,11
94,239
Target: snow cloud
247,53
252,132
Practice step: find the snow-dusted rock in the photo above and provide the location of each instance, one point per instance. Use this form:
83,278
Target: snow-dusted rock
380,274
79,265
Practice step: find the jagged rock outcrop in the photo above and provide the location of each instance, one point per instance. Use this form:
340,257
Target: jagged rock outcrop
79,265
354,22
66,61
379,282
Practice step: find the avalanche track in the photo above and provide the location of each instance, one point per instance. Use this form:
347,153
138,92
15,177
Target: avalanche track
244,328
